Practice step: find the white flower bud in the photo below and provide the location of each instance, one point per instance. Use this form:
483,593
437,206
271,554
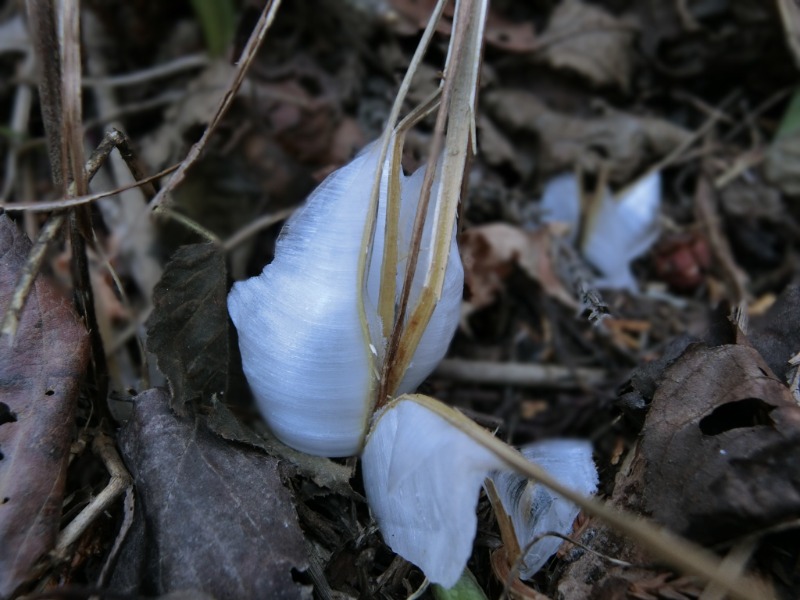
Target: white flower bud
313,373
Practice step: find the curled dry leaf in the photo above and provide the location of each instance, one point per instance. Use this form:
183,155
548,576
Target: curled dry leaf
209,515
586,39
490,252
626,143
40,375
720,445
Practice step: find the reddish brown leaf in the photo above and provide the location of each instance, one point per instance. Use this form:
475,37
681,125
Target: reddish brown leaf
720,444
490,251
39,377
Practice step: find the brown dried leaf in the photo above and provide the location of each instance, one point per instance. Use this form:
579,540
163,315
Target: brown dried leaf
720,444
509,35
210,515
588,40
188,330
40,375
489,253
500,32
626,143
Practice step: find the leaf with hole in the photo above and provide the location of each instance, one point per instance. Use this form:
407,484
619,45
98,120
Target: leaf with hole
720,445
40,373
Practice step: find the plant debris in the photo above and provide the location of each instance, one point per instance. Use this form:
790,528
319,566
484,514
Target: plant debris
693,422
209,515
41,369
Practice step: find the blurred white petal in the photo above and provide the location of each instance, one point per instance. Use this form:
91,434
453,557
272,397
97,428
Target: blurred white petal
534,509
423,477
623,228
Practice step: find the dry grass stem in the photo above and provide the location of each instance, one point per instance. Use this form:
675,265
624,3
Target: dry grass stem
456,116
248,54
520,374
675,551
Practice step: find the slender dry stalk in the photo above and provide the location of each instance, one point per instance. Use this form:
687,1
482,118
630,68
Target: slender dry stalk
672,549
248,54
456,117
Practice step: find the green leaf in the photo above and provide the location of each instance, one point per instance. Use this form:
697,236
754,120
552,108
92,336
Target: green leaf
791,118
466,588
217,18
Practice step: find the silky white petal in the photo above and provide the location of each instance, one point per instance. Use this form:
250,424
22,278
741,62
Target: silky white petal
534,509
300,337
423,477
623,228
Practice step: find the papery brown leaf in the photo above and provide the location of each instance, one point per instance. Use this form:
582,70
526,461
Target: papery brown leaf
776,334
188,330
721,445
624,142
489,253
209,515
502,33
586,39
39,380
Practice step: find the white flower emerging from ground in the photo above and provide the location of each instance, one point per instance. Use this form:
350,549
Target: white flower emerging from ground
616,230
315,376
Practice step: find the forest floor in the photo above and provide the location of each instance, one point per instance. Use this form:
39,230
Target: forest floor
663,334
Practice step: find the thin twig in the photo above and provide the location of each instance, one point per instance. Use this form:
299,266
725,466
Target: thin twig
519,374
253,228
174,67
734,563
28,275
247,56
47,206
103,447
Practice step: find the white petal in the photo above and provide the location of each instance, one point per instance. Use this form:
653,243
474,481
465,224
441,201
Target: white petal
423,478
623,228
300,336
561,202
534,509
